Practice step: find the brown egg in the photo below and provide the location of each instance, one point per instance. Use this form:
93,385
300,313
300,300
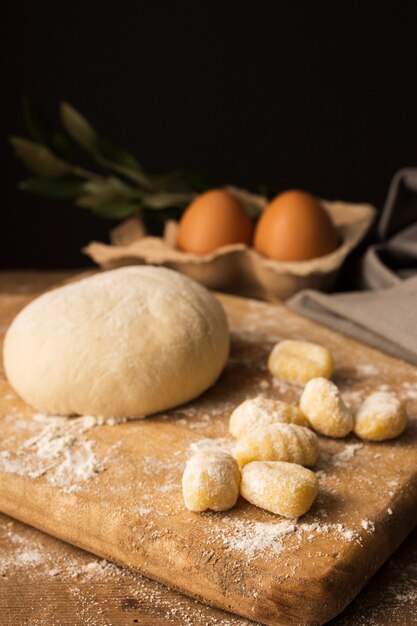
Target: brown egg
295,227
213,219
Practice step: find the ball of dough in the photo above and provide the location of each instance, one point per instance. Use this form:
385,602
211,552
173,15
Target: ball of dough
324,408
278,442
211,480
124,343
258,412
300,361
382,416
283,488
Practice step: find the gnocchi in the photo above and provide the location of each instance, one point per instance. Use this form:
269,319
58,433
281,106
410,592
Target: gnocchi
211,480
300,361
324,408
279,442
382,416
258,412
283,488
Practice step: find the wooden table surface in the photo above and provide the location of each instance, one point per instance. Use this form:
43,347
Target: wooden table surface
46,582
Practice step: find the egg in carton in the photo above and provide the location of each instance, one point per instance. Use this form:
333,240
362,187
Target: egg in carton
239,268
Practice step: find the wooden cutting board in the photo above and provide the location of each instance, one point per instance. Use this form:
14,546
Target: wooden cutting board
83,589
115,490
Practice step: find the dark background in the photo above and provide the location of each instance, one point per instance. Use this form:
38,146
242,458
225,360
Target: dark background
316,98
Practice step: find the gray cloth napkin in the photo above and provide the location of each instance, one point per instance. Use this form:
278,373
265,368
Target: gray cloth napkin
385,315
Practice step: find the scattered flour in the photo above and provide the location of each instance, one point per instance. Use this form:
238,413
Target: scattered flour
281,386
154,466
391,602
383,388
254,538
60,451
368,525
143,510
223,444
264,384
409,391
261,539
338,530
347,454
367,369
353,398
50,559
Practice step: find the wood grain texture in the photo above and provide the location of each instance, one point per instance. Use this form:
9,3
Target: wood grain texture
132,512
45,582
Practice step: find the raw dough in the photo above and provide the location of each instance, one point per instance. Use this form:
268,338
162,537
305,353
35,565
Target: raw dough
129,342
258,412
279,442
324,408
211,480
300,361
283,488
382,416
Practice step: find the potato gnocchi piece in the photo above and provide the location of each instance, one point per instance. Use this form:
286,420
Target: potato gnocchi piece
258,412
279,442
382,416
286,489
211,480
300,361
324,408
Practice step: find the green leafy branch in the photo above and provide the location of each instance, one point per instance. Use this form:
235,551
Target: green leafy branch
116,188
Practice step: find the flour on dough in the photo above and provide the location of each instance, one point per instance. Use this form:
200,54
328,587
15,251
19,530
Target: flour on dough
128,342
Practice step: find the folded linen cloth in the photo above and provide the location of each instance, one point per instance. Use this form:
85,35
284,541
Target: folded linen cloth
385,315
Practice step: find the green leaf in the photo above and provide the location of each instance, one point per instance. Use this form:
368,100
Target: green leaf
103,190
166,199
39,158
180,180
117,209
115,153
62,188
122,194
78,127
41,131
137,176
62,146
106,152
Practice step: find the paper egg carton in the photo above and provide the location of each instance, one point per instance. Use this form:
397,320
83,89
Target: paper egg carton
238,268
